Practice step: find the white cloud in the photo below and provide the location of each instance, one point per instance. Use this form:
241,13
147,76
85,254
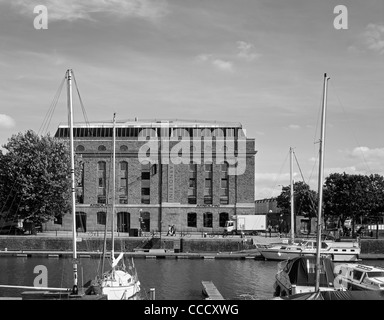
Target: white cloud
72,9
374,37
246,51
294,126
6,121
203,57
219,64
223,65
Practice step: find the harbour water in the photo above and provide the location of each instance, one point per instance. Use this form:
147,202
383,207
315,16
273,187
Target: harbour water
173,279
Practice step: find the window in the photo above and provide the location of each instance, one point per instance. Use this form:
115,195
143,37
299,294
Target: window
80,186
207,220
123,184
101,148
192,190
145,183
124,148
191,220
223,217
101,174
101,218
80,148
224,184
58,219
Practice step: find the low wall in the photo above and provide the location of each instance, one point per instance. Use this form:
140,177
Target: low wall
372,246
35,243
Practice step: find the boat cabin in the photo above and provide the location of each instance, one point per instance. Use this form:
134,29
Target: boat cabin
360,277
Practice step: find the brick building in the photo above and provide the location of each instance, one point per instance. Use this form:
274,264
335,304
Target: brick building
191,174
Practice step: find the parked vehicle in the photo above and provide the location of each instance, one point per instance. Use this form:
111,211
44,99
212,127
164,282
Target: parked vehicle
246,224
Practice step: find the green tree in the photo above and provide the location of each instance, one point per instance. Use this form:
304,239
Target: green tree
35,178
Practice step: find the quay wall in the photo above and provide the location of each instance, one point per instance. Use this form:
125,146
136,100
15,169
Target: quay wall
128,244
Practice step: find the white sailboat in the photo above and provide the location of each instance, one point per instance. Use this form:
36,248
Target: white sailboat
337,251
118,283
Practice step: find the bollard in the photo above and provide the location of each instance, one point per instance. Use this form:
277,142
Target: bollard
152,294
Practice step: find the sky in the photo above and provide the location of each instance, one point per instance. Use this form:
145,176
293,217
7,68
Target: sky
257,62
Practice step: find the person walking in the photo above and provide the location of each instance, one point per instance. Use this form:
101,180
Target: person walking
270,230
169,233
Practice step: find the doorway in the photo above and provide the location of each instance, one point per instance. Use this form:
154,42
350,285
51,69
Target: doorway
123,222
81,222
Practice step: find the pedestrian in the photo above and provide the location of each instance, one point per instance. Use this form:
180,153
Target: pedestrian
169,233
270,230
173,230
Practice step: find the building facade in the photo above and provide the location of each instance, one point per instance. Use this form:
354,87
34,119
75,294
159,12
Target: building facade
193,175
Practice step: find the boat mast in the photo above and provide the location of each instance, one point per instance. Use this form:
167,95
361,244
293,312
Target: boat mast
70,120
320,182
292,197
113,186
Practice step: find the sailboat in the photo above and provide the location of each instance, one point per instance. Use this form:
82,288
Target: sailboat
337,251
118,283
50,293
312,270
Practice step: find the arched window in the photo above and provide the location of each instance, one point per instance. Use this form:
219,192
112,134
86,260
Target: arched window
223,217
124,148
80,148
101,217
191,220
207,220
101,148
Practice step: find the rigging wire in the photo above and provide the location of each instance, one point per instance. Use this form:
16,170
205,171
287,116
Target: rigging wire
353,133
48,117
278,176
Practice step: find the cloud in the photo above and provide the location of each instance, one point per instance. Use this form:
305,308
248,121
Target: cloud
374,37
223,65
294,126
6,121
246,51
371,39
73,10
219,64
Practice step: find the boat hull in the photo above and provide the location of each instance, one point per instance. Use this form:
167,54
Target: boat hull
280,255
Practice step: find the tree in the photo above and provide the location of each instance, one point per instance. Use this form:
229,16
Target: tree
35,180
304,200
353,196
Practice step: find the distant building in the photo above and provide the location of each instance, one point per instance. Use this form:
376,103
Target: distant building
198,194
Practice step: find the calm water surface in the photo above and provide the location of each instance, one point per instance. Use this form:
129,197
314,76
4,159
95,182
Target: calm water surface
173,279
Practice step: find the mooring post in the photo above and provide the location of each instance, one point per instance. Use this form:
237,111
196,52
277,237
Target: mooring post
152,294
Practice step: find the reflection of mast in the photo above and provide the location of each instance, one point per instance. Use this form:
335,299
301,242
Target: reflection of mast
320,182
70,119
292,197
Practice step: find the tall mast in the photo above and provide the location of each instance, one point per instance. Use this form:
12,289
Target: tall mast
320,182
292,197
113,186
70,120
